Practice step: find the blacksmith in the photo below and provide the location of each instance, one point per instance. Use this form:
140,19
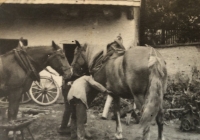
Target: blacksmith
78,98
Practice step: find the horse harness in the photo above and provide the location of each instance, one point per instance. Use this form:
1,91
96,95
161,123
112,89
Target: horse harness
100,60
24,61
27,63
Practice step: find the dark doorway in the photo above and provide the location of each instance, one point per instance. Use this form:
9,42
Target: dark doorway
7,45
69,51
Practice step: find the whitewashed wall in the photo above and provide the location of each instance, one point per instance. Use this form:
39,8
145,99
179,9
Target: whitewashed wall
93,30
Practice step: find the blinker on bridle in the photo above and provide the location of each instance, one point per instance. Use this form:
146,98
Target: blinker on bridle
60,53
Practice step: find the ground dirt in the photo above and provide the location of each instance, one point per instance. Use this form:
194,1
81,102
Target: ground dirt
46,124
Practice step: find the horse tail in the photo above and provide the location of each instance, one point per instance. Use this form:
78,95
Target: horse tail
156,89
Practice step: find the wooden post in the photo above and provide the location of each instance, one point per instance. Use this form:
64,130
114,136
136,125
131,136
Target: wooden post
143,21
137,25
163,37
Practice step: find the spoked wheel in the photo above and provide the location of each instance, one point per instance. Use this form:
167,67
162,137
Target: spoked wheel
4,100
25,98
46,92
185,125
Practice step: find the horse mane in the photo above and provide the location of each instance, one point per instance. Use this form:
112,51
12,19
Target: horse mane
92,53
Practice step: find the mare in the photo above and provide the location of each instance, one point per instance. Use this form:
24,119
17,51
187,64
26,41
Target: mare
21,66
140,74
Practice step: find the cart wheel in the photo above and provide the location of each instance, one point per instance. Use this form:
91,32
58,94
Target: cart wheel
25,99
46,92
185,125
4,100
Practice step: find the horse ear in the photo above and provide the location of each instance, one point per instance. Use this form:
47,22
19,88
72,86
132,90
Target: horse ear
78,44
108,46
20,44
85,47
54,45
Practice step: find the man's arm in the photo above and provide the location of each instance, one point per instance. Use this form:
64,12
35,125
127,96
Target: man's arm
96,85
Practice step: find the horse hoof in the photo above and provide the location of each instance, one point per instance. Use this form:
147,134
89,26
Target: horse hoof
138,138
163,138
128,118
88,134
11,133
118,136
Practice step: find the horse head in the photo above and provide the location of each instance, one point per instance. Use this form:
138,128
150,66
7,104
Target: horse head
59,62
79,63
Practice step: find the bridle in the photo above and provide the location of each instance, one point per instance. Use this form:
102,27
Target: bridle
31,62
60,53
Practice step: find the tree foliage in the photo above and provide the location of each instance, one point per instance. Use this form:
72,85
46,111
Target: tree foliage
173,14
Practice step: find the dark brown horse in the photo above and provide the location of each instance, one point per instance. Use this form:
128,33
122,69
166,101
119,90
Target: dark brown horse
21,66
140,74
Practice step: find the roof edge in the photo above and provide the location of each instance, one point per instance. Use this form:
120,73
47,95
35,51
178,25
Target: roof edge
76,2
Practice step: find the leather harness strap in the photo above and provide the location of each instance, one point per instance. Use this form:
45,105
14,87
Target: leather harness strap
24,61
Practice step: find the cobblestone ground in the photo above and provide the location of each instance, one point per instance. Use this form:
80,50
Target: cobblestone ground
45,127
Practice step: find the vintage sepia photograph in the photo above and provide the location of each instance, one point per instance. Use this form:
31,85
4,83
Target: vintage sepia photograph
99,70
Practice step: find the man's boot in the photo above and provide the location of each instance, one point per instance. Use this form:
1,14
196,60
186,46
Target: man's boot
81,116
73,129
81,132
63,130
87,134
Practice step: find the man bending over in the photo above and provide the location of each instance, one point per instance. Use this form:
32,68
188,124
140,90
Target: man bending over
79,97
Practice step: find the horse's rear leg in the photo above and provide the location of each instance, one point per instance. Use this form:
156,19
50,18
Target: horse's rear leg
146,133
118,134
14,100
159,120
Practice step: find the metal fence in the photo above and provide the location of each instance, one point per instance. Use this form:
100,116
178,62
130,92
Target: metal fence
171,36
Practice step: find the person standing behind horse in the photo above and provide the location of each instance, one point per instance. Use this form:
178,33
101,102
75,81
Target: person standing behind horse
78,100
64,129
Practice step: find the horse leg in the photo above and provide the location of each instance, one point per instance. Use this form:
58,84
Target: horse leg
146,133
14,100
118,134
159,120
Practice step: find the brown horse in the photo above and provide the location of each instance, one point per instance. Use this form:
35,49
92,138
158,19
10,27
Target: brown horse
21,66
140,74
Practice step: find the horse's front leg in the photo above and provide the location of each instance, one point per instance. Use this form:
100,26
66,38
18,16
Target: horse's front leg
14,100
118,134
